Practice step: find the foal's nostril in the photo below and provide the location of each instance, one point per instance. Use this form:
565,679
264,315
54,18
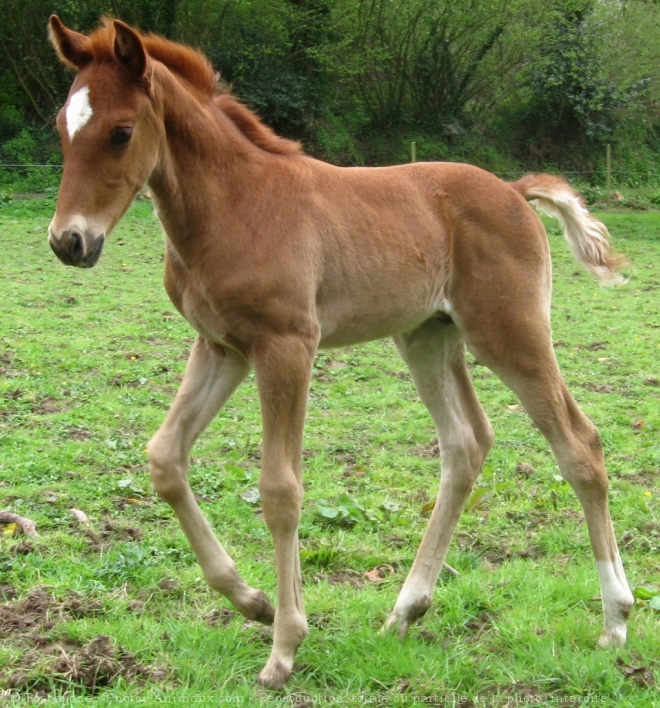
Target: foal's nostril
76,248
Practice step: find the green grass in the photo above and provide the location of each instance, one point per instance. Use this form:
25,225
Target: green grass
89,362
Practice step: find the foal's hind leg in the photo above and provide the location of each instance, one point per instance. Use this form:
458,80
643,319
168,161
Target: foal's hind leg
435,354
523,357
212,375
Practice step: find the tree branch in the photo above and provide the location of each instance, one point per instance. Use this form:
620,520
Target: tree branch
27,526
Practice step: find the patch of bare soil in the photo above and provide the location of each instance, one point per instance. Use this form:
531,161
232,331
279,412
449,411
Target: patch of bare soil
341,577
599,388
167,587
644,477
220,618
431,451
47,405
110,533
49,660
75,432
7,592
638,674
6,360
594,346
645,539
481,623
496,555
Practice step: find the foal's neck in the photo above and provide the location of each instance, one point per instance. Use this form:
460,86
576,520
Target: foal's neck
204,166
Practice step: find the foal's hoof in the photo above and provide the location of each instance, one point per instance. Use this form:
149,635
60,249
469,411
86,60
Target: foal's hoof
613,638
403,617
274,675
395,623
260,609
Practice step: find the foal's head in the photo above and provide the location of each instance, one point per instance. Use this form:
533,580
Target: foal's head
110,135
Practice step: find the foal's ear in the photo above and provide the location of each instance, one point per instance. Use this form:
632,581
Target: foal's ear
70,46
130,50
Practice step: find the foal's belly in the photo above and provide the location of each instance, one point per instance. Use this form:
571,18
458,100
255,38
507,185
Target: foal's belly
345,313
347,322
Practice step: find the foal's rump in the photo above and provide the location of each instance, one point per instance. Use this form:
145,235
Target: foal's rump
403,243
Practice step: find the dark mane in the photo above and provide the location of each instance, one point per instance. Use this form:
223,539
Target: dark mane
253,129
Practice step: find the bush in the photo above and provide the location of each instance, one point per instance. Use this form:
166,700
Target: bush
30,146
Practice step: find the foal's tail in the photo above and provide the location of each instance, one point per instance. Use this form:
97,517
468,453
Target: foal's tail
587,237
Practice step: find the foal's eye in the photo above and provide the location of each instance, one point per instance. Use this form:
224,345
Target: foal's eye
121,136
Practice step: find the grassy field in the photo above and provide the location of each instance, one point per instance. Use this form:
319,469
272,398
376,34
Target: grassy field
115,610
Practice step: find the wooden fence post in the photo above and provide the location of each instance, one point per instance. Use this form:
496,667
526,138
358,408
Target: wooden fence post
608,169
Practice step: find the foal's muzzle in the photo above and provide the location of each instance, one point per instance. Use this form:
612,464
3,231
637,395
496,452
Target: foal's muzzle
75,247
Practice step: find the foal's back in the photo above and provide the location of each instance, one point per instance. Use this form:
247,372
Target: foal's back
398,245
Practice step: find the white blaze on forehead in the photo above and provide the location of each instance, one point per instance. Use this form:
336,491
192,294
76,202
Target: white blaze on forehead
78,112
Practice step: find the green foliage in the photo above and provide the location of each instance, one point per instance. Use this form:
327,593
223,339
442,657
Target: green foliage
267,52
507,84
570,101
345,512
11,115
20,149
416,61
122,565
443,77
30,146
334,140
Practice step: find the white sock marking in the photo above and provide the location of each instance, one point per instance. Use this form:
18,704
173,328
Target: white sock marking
616,596
78,112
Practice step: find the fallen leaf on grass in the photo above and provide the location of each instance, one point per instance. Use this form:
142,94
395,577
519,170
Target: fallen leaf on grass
478,496
645,593
27,526
81,516
428,507
524,469
251,495
375,575
650,595
641,675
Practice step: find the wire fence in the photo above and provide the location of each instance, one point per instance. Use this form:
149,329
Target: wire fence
629,188
623,175
511,173
25,166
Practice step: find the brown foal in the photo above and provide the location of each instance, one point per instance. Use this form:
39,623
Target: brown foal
271,254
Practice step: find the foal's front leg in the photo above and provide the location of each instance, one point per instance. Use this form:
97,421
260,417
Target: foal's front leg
212,375
283,368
